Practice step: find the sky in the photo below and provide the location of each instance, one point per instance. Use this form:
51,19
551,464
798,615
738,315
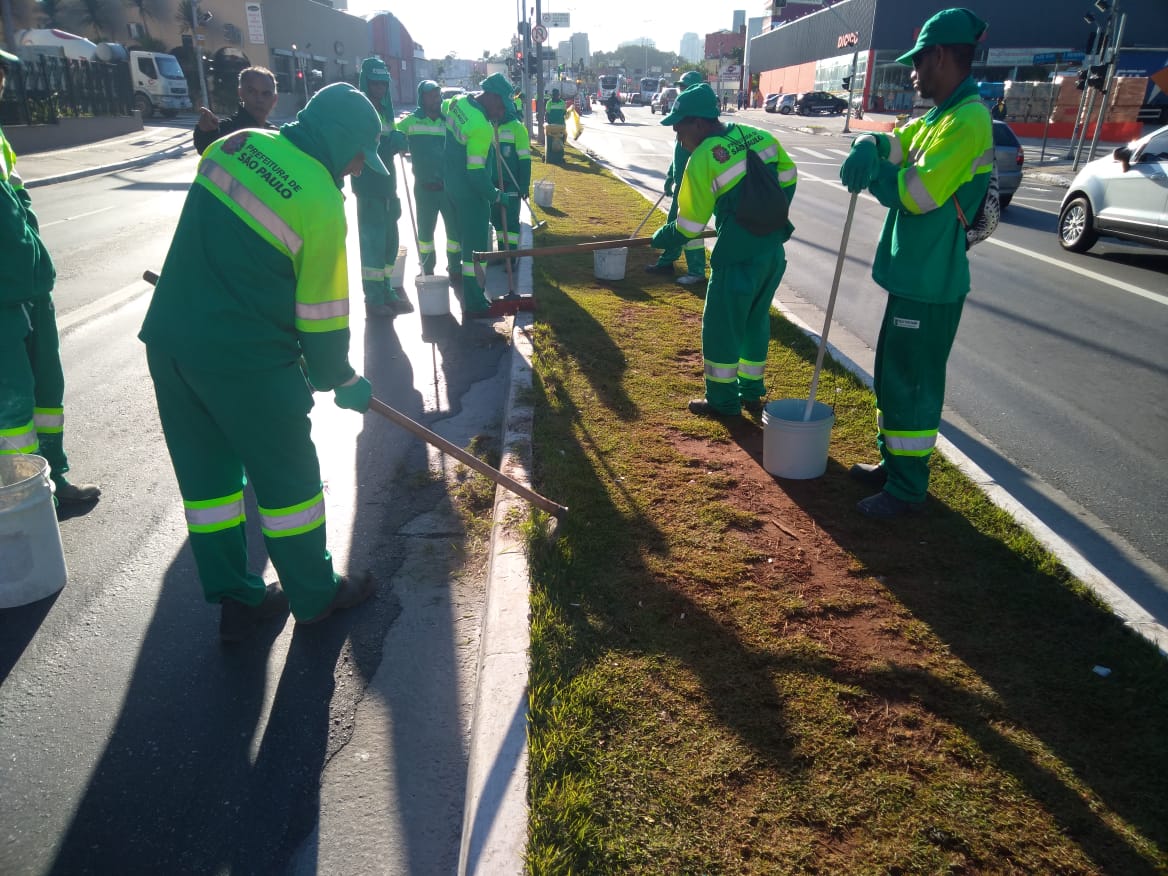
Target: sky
487,25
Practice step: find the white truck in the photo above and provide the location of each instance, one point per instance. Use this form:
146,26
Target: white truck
157,78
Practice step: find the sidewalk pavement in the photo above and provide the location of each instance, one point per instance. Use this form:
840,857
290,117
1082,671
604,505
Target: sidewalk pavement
494,828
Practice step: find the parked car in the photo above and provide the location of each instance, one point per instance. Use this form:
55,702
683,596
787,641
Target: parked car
811,102
452,91
780,103
1008,158
663,101
1124,195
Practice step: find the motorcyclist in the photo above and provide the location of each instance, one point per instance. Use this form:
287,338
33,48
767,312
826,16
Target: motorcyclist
613,107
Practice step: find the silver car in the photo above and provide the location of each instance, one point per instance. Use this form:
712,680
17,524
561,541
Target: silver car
1124,195
1008,159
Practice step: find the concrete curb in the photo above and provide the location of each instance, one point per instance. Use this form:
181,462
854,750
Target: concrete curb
139,161
494,825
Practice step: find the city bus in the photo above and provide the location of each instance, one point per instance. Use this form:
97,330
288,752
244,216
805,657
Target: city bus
610,82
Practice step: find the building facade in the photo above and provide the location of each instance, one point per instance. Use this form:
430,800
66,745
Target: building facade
817,50
691,47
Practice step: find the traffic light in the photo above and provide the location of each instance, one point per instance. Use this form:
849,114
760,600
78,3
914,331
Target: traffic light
1097,77
1081,80
847,83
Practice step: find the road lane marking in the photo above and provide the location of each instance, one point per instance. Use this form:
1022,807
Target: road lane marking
812,152
101,305
1083,272
843,153
74,218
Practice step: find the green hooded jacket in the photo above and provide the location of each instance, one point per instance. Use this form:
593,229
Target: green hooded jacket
427,140
392,142
26,269
257,275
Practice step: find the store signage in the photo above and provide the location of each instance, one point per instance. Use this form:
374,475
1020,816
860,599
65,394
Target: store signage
847,39
255,24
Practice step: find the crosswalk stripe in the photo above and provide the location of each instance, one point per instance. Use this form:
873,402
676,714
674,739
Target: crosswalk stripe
843,153
812,152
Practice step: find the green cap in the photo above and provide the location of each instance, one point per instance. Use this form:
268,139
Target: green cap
7,58
696,102
498,84
692,78
374,70
948,27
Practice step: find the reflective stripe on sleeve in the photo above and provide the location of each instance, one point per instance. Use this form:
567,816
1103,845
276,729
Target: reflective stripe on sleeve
323,311
249,203
49,421
986,159
293,520
916,193
214,515
689,225
769,153
895,151
19,439
729,175
788,176
719,372
428,130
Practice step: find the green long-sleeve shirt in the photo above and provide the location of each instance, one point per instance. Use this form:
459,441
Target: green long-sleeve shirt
515,144
426,138
947,152
26,269
470,137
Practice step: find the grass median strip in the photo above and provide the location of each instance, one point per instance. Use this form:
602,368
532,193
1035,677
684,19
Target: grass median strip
736,674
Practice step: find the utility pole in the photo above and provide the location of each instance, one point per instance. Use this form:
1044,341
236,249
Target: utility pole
6,19
1088,60
851,87
1100,56
539,78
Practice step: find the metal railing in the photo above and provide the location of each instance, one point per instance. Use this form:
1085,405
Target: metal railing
43,89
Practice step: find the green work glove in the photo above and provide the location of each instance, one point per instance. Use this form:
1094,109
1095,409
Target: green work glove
354,396
397,141
861,165
669,188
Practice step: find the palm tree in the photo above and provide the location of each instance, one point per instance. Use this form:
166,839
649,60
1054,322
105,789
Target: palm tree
51,12
182,15
96,15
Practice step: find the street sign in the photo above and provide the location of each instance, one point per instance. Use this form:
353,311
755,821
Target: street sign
555,19
1057,57
539,33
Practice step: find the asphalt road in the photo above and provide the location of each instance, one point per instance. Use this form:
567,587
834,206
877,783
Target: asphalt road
1057,380
130,740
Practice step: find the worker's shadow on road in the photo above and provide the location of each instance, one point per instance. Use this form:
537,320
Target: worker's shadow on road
193,779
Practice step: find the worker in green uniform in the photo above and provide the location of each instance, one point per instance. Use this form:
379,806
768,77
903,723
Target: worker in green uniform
515,152
378,207
745,268
250,315
695,250
32,382
920,172
470,188
555,128
425,133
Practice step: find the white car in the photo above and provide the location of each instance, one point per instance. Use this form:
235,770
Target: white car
1124,195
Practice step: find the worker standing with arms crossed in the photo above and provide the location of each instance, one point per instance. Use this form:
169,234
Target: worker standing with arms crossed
515,151
745,268
470,189
254,284
921,173
425,133
378,207
32,382
695,250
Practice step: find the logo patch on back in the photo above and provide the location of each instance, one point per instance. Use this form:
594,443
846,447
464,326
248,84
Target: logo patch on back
235,142
720,154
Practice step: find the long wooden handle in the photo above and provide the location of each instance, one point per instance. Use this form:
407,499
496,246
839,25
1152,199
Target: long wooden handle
541,502
568,248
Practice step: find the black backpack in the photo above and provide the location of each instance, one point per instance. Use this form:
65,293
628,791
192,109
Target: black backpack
762,204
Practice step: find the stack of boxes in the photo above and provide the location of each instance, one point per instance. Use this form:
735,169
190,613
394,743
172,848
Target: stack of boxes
1123,105
1028,101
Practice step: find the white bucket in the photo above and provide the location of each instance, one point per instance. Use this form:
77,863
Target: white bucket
32,563
791,447
433,294
542,191
609,264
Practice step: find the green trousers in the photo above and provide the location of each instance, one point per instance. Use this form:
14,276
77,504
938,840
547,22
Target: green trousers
909,379
736,329
554,135
473,215
431,204
32,384
695,250
510,239
377,233
222,429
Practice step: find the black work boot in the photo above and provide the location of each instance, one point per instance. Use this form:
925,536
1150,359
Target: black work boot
703,408
656,268
350,592
238,621
75,494
867,473
885,506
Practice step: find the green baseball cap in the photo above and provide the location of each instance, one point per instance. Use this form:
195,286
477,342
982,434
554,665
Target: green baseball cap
948,27
692,78
698,101
374,70
498,84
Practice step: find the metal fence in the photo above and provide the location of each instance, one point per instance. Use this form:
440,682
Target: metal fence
44,88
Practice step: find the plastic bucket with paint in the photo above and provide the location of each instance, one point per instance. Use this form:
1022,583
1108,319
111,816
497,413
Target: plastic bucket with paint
32,563
433,295
794,448
542,191
609,264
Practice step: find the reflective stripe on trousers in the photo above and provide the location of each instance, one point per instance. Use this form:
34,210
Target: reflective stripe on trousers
293,520
214,515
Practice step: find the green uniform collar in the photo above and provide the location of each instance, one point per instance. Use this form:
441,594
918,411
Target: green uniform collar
967,88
